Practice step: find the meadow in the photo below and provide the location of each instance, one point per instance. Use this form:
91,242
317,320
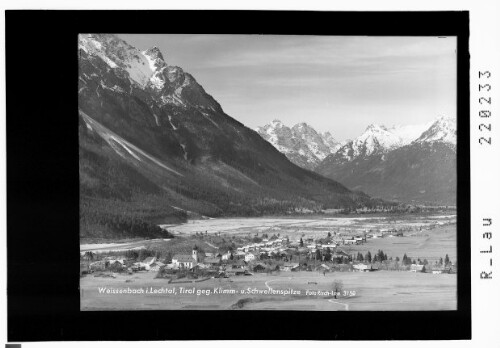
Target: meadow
373,291
424,236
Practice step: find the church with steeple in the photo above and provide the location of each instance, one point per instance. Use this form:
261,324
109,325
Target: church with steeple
195,254
186,260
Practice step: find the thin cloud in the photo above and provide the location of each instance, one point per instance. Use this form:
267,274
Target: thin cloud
326,80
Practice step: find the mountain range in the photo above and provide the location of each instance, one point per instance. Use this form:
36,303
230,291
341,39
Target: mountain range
155,147
301,144
411,164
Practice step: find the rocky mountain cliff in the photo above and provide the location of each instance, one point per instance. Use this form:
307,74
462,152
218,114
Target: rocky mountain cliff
301,144
155,146
407,164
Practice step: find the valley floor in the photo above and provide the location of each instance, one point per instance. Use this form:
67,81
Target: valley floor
128,245
425,237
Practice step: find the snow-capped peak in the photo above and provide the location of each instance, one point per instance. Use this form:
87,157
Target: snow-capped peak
93,46
330,140
154,53
276,123
378,139
302,144
302,125
157,65
444,129
375,128
304,129
409,133
375,138
146,70
156,62
118,54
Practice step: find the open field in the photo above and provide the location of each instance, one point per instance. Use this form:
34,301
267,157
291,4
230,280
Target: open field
428,244
315,226
425,237
133,245
382,290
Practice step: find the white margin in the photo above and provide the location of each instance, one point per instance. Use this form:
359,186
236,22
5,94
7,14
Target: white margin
485,54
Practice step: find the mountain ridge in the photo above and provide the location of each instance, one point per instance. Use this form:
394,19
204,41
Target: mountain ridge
417,169
301,143
378,139
374,161
140,116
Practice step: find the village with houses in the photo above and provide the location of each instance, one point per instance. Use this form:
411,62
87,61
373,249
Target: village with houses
417,253
274,254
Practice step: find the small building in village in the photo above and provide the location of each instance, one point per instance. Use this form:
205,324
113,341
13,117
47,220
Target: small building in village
239,255
440,270
149,261
183,261
227,256
200,266
155,267
361,267
259,267
186,260
350,241
98,266
249,257
417,268
112,259
289,267
212,261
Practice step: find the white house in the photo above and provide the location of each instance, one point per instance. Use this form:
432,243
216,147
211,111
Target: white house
350,241
183,261
149,261
361,267
288,267
249,257
113,259
416,268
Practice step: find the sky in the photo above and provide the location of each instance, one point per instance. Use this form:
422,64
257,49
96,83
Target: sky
334,83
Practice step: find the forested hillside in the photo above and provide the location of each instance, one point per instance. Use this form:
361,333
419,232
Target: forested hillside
155,147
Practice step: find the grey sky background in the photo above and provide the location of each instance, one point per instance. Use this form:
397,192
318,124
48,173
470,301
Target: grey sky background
336,84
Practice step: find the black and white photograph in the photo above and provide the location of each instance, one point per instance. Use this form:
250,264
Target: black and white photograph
278,176
267,172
